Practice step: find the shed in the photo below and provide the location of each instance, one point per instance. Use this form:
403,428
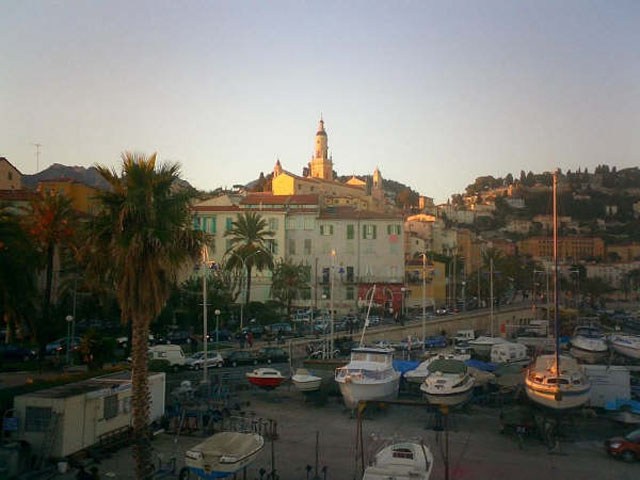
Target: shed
61,421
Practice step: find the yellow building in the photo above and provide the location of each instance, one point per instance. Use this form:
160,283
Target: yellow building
435,285
319,180
82,196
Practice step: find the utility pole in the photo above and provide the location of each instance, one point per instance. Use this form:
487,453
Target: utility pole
37,145
333,274
491,292
424,297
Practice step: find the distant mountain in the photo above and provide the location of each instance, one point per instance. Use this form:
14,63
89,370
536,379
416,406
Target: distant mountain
88,176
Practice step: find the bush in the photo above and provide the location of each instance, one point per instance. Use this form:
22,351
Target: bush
159,365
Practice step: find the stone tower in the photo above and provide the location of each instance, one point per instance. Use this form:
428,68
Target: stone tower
321,164
376,189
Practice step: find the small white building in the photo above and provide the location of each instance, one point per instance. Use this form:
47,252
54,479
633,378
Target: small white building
61,421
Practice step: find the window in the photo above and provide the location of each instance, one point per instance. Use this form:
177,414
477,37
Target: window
307,273
272,246
350,232
229,224
309,223
326,230
393,229
307,246
292,246
273,224
325,275
326,292
196,223
37,419
204,224
350,274
9,176
110,407
369,232
212,225
350,293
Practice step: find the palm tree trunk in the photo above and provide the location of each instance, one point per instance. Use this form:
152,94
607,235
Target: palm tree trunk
139,378
248,293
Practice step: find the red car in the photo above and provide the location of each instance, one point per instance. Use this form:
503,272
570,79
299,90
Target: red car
627,447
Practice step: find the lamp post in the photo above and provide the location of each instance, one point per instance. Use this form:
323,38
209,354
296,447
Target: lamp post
424,297
402,309
333,268
217,313
69,319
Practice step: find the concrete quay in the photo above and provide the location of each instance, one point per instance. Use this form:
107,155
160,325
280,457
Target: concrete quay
477,449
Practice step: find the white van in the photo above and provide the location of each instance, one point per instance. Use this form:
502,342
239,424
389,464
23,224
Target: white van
463,336
509,353
172,353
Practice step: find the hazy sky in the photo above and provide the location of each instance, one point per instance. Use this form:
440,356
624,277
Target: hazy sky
435,93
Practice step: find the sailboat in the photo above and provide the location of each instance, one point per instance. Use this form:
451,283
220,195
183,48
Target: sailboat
557,381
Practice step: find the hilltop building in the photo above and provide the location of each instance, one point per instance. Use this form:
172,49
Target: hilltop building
10,176
344,230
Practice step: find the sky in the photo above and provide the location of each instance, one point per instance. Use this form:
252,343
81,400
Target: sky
434,93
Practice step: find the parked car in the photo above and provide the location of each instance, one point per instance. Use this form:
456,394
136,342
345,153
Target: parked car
59,346
240,357
15,353
272,355
223,334
627,447
179,337
283,328
196,361
257,330
374,320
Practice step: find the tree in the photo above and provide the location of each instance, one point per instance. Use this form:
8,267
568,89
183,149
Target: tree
52,227
248,246
288,282
18,266
140,242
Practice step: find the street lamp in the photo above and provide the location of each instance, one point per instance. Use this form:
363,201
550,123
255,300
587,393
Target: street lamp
69,319
402,310
206,265
217,313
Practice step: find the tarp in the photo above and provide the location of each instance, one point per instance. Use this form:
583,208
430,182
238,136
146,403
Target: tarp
435,341
404,366
484,366
615,405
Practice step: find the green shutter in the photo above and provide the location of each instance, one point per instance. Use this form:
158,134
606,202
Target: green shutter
375,230
350,231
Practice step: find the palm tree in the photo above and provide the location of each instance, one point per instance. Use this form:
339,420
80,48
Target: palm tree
52,227
18,267
247,246
140,243
288,281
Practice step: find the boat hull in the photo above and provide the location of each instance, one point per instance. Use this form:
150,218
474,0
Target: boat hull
449,399
265,382
626,347
354,391
307,385
551,399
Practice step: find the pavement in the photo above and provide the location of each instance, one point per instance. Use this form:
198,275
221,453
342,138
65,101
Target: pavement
477,449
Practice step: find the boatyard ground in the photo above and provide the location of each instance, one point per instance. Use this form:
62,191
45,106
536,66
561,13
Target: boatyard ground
477,448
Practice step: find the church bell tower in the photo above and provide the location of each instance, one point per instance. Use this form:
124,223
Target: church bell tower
321,164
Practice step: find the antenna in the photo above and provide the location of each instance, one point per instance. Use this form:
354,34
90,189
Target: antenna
37,145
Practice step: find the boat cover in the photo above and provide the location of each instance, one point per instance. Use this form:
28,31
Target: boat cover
479,365
615,405
447,366
404,366
228,444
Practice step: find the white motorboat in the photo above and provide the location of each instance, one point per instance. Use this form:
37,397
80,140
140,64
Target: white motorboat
589,340
369,375
449,383
627,345
482,345
401,461
223,454
305,381
560,390
421,372
557,381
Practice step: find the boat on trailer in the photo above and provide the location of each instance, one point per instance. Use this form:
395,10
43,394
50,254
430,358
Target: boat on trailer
223,454
401,461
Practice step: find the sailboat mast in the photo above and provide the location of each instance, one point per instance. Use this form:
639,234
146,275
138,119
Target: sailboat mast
555,269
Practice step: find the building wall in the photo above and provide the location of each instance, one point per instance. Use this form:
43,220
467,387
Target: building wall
569,248
83,197
626,252
10,177
436,284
